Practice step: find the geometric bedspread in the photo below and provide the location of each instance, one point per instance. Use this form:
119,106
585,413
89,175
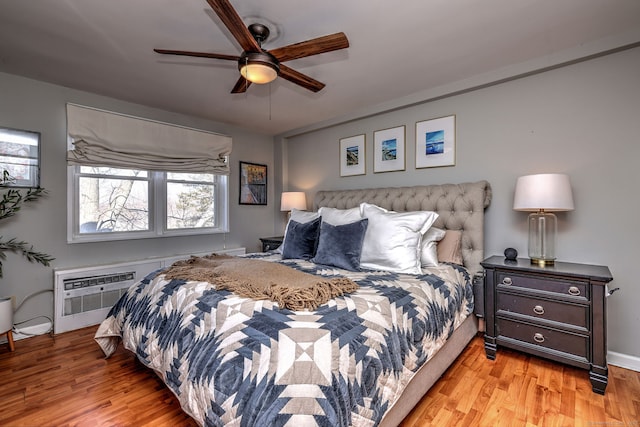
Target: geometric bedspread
241,362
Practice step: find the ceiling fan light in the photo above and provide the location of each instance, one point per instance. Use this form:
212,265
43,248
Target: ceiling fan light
258,73
258,67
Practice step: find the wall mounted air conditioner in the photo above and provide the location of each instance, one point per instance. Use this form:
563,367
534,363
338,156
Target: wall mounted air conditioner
83,296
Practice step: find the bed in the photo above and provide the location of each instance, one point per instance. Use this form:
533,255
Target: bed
364,355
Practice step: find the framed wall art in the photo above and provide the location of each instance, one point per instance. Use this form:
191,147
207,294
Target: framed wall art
352,158
388,146
436,142
253,184
20,157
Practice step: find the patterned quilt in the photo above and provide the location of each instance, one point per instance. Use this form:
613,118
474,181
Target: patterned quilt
241,362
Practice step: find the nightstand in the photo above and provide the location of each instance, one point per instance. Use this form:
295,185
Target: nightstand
271,243
558,312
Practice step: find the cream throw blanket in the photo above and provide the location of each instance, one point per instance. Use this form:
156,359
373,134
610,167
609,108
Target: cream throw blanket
252,278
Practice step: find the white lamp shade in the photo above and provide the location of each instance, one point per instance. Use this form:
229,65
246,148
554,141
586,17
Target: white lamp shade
548,192
293,200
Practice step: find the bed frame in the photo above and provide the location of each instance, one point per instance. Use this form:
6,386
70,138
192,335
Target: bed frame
460,207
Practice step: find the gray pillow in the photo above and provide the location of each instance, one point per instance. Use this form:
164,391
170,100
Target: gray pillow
302,217
301,239
340,245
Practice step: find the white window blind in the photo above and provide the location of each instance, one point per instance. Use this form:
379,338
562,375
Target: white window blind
102,138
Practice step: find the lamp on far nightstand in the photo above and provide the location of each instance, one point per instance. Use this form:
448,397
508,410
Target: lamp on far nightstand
293,200
541,195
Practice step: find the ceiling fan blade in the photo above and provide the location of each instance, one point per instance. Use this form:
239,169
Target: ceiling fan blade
198,54
241,85
233,22
315,46
300,79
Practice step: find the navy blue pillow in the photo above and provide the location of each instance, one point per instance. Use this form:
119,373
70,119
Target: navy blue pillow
301,239
340,245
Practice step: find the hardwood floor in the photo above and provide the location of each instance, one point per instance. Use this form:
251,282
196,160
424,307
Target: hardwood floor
519,390
66,381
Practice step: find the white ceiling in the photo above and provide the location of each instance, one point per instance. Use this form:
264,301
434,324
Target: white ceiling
397,48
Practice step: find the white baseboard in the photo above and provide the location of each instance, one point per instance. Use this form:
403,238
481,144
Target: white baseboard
623,360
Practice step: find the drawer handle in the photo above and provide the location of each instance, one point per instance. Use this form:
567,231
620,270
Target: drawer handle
574,291
538,337
538,309
507,281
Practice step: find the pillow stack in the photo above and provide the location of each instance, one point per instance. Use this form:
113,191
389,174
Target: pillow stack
370,237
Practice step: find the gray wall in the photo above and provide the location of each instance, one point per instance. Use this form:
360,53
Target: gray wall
582,120
37,106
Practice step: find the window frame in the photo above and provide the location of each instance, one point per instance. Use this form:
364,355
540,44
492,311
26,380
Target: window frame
157,211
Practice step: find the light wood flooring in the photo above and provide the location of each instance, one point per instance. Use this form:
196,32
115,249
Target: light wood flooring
66,381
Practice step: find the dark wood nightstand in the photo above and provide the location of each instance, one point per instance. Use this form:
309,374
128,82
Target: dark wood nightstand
558,312
271,243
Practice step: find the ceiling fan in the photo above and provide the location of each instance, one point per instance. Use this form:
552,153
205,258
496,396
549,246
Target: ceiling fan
257,65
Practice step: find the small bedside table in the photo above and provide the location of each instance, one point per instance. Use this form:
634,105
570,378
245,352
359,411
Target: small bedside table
271,243
558,312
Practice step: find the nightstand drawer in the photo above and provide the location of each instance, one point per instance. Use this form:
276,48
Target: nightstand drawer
536,308
577,345
557,286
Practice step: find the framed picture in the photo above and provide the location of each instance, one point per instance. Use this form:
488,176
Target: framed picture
436,142
253,184
388,145
352,158
19,158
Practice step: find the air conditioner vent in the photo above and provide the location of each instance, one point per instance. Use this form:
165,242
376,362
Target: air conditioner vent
85,282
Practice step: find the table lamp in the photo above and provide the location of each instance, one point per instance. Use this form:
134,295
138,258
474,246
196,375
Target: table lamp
543,194
293,200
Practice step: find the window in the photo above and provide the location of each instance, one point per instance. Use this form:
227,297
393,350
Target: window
190,201
134,178
19,157
115,204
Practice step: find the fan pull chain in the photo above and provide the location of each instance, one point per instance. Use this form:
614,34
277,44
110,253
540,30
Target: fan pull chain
269,101
246,80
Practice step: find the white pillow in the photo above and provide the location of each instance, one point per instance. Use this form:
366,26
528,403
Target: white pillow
298,216
303,216
335,216
429,253
393,241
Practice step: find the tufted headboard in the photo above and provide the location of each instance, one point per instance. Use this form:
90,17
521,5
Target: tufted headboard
459,206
